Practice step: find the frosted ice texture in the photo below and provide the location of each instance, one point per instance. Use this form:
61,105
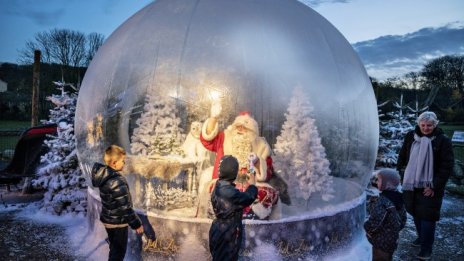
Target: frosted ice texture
251,55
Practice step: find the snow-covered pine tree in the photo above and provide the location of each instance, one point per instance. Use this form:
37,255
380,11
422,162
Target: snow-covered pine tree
393,127
300,155
158,129
59,172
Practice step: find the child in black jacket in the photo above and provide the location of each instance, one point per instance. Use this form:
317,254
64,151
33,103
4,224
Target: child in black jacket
225,234
117,212
387,216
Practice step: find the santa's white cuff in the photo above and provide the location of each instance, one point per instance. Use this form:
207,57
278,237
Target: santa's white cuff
213,134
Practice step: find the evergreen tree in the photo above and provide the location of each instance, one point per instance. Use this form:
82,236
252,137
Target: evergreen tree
59,172
393,127
299,152
158,129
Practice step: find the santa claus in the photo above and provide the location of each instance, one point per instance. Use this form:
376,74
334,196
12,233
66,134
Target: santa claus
253,153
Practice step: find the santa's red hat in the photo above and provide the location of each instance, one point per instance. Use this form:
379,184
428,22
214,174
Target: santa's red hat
245,119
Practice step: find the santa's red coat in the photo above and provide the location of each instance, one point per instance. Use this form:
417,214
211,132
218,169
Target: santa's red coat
221,142
217,145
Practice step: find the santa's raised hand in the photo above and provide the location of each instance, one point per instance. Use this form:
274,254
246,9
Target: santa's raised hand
216,109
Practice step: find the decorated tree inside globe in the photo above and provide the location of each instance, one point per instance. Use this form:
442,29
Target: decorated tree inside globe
158,129
300,156
59,172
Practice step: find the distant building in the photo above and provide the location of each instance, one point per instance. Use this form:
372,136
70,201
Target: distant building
3,86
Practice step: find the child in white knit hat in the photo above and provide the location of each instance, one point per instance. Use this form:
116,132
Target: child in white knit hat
387,215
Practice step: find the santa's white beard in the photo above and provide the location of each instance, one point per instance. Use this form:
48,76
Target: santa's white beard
242,147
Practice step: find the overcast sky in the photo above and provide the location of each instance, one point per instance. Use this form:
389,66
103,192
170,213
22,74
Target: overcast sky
392,37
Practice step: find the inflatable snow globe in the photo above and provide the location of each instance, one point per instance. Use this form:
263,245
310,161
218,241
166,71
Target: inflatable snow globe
183,82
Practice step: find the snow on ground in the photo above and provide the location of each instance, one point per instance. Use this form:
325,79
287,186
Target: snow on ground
90,244
449,235
69,238
85,243
359,250
27,233
11,207
22,238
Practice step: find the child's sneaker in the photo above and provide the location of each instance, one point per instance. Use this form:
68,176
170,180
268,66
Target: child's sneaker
416,243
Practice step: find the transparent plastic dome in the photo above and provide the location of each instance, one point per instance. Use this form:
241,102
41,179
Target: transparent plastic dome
175,58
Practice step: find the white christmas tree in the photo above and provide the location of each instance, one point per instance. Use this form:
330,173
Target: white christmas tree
148,194
393,127
59,172
158,129
299,152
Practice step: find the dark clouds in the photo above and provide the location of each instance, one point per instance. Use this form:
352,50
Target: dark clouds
108,6
315,3
48,18
394,55
33,11
50,12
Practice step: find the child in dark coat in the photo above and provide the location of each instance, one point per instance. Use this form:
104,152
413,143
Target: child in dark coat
387,216
117,212
225,234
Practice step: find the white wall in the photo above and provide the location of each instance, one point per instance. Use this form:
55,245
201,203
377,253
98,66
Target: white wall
3,86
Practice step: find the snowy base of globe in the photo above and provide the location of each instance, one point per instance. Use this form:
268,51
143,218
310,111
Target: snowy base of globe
318,231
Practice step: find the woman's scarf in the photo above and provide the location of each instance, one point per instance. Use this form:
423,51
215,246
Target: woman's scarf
419,171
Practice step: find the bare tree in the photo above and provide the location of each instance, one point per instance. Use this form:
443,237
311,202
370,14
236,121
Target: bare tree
70,49
67,47
445,72
413,80
94,41
59,46
42,42
62,46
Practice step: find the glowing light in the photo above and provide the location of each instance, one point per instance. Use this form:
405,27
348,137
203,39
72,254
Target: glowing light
215,94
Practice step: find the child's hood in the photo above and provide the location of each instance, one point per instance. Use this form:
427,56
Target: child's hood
395,197
100,174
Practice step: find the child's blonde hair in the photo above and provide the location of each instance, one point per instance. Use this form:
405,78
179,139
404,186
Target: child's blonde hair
113,153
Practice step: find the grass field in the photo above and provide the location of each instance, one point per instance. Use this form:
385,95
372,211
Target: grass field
14,125
449,129
9,142
457,148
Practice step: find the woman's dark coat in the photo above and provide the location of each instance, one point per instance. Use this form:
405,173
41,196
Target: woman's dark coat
418,205
225,234
115,197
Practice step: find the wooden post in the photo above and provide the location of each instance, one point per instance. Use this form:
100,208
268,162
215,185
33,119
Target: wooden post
35,89
27,186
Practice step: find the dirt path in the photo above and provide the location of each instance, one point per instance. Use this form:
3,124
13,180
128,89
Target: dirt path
449,235
22,239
